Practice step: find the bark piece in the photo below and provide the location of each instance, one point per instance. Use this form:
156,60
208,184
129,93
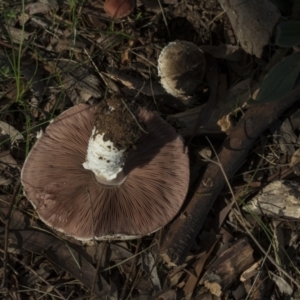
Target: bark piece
252,22
223,272
251,271
279,199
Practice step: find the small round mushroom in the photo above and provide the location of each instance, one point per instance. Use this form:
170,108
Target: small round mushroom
118,9
111,171
181,66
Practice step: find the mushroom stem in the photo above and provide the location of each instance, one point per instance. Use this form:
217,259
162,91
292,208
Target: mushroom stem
103,159
115,133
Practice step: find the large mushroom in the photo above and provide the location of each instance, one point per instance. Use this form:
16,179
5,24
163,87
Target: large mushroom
112,171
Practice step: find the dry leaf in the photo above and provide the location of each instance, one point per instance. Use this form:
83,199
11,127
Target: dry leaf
78,82
149,266
8,168
295,158
41,7
8,131
252,21
283,286
192,280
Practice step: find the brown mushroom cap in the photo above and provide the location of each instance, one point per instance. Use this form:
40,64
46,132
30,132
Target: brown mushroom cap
68,198
119,8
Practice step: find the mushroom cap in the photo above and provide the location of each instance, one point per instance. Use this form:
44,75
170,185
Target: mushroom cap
181,66
68,197
118,9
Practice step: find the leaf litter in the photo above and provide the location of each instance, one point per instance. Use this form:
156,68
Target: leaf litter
56,54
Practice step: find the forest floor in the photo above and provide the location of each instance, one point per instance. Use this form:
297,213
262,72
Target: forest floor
237,234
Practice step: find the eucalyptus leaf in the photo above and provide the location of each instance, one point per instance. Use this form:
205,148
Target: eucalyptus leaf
280,79
288,34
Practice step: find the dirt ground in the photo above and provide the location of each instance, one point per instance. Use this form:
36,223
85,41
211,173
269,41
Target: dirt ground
236,86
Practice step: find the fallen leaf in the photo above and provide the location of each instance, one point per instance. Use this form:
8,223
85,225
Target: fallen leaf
8,168
253,22
283,286
295,158
149,266
9,131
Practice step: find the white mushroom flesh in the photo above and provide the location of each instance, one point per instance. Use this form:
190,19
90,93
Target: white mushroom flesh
103,158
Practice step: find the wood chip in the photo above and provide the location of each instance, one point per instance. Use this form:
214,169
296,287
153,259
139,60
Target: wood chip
250,272
223,272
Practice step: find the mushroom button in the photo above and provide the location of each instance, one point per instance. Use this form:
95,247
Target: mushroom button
118,9
181,67
112,171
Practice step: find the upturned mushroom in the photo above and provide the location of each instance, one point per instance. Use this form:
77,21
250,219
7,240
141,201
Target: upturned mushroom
118,9
181,67
112,171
